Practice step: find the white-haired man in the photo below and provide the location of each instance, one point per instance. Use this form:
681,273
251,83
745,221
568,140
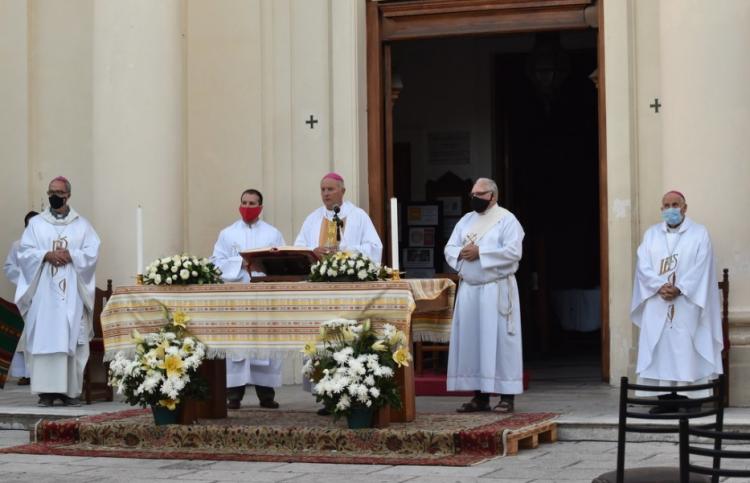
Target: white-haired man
339,225
55,295
485,353
676,304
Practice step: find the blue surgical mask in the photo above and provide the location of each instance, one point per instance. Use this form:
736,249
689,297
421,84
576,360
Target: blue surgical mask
671,216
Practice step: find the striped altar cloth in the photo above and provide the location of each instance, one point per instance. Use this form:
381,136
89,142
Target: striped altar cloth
272,319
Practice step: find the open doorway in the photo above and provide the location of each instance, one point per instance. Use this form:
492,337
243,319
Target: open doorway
521,109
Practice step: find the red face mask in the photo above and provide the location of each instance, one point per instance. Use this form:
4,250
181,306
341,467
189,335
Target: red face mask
250,213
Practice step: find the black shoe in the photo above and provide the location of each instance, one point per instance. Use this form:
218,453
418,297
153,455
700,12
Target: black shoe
23,381
233,404
46,401
70,401
324,412
269,404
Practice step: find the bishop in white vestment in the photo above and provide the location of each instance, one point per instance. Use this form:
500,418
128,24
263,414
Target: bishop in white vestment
339,225
13,273
676,303
485,353
244,234
55,295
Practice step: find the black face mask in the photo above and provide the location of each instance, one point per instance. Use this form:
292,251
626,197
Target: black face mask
479,204
56,202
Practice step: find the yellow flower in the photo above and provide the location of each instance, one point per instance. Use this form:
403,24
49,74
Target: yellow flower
398,338
160,349
366,325
310,349
402,357
173,365
180,319
379,346
170,404
347,334
137,337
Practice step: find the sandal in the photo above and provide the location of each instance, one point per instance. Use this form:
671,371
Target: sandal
503,407
474,406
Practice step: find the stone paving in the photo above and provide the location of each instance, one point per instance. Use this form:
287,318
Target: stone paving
586,448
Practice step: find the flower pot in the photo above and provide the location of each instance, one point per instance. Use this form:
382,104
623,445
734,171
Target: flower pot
360,417
164,416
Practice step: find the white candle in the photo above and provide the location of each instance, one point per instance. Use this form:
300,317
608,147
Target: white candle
394,234
139,239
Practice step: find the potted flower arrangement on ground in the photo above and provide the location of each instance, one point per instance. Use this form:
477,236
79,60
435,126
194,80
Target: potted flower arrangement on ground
348,267
181,270
352,368
163,371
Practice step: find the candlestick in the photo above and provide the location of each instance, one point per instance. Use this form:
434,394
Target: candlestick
139,239
394,234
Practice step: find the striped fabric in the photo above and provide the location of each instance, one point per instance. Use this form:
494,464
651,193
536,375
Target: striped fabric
270,320
431,321
11,325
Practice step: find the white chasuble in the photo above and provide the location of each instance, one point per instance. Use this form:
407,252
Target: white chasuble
57,302
485,351
680,340
232,240
357,235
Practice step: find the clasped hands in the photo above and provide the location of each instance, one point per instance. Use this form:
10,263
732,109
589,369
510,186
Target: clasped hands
469,252
669,292
58,257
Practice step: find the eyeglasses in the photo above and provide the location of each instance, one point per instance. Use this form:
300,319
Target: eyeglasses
58,193
480,193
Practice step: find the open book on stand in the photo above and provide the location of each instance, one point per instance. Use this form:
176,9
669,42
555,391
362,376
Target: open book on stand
280,261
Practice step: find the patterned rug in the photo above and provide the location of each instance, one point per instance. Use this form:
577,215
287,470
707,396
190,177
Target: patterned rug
289,436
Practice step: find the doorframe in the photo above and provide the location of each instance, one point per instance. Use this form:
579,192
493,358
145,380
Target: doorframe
394,21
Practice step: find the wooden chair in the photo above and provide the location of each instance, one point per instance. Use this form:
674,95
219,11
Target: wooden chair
95,375
626,412
724,287
717,453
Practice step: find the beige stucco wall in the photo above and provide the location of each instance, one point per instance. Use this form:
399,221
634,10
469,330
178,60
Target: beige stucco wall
181,105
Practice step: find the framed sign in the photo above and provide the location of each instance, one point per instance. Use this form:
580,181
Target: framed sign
422,236
418,257
425,214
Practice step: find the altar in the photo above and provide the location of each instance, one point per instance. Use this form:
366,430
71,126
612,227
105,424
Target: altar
275,319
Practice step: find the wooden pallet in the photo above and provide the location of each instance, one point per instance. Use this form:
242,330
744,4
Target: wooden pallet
530,437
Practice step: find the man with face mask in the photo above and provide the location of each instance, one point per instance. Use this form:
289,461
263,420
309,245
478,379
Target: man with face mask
244,234
55,294
13,272
676,304
338,224
484,354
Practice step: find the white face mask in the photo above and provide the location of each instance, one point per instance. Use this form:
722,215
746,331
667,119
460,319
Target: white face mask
672,216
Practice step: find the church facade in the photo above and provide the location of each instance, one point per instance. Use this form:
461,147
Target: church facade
178,106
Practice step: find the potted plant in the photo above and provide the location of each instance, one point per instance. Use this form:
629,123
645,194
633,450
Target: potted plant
352,368
181,270
163,371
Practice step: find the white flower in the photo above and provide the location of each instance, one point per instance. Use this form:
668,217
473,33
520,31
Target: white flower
165,266
362,274
184,274
350,271
194,273
323,269
343,403
169,280
360,264
175,268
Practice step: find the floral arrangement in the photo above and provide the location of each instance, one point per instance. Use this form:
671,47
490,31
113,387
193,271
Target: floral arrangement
181,270
351,365
348,267
164,369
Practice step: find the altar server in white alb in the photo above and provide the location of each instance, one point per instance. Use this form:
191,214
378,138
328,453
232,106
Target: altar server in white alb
244,234
485,353
338,225
55,295
676,303
12,271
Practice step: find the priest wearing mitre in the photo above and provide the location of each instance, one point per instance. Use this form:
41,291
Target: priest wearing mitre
249,232
55,294
338,225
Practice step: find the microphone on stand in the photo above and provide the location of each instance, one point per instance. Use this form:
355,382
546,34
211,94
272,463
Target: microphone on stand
337,220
